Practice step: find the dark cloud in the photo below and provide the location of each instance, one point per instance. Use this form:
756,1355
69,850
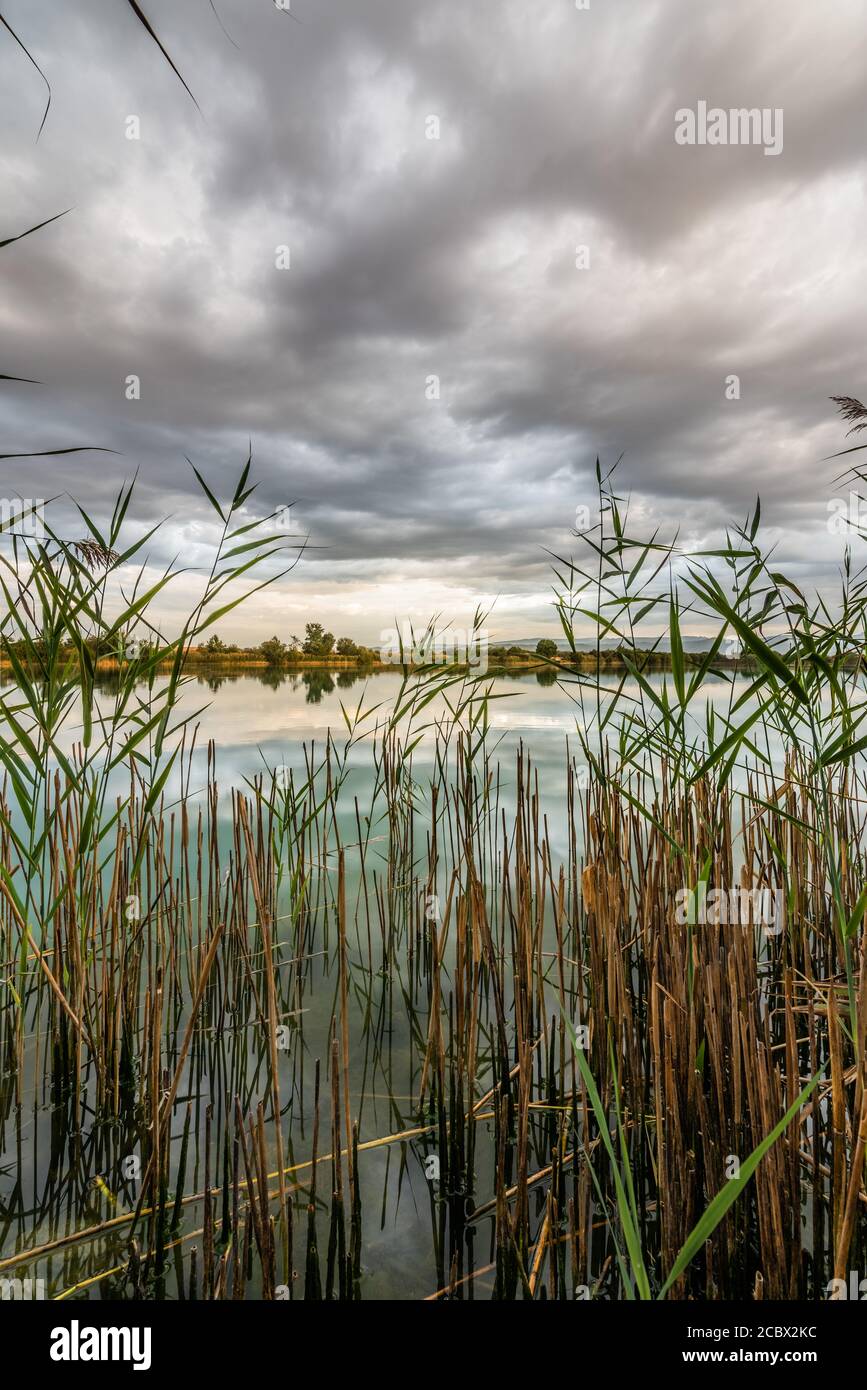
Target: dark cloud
453,257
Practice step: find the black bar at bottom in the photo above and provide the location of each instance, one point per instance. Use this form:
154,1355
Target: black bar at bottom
60,1340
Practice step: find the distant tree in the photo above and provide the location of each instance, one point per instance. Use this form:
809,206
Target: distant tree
316,641
214,646
274,651
547,648
516,651
346,647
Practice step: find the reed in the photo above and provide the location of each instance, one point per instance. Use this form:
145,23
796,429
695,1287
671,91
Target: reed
232,1018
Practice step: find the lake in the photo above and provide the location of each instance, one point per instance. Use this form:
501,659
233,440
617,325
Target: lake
259,723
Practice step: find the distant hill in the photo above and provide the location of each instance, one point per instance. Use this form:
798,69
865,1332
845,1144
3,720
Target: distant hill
587,644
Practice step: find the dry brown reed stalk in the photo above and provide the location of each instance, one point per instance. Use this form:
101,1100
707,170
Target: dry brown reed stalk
706,1033
264,918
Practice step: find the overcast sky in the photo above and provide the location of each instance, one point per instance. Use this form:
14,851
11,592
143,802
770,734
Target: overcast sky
414,258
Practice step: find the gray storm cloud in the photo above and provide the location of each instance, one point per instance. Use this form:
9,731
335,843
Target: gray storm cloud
453,258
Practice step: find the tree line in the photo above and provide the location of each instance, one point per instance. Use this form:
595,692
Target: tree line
316,642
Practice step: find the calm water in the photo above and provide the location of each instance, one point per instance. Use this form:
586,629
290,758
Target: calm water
260,722
265,721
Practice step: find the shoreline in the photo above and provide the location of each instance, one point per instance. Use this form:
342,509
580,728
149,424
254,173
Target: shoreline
583,661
